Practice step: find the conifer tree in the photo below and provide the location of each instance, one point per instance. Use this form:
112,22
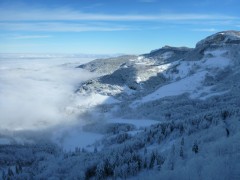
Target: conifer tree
3,175
10,172
195,147
181,152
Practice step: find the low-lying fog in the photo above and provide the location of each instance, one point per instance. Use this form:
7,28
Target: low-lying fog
36,93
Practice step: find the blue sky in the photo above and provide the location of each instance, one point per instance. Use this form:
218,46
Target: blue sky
111,26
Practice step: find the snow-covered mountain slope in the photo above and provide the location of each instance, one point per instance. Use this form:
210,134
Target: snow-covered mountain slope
170,114
171,71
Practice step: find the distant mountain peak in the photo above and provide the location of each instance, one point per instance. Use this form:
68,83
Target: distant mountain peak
230,33
221,38
167,47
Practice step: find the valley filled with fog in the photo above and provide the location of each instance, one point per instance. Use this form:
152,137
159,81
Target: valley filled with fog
37,95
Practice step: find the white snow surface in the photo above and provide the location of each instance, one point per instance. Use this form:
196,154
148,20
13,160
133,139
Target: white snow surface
213,94
186,85
191,75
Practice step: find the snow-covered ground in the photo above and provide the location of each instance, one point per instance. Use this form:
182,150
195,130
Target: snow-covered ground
189,78
186,85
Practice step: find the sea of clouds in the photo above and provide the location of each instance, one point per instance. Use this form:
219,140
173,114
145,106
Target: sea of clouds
36,92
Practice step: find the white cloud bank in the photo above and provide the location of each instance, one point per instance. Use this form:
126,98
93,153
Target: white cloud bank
35,92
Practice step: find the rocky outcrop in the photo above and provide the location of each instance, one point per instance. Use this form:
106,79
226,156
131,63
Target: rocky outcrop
222,40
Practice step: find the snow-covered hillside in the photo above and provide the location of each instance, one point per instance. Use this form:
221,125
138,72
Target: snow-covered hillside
170,114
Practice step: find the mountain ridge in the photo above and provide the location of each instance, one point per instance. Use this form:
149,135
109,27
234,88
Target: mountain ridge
148,71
